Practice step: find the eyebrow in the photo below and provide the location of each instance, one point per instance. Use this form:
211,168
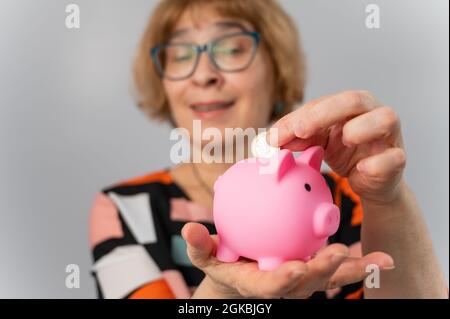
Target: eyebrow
227,24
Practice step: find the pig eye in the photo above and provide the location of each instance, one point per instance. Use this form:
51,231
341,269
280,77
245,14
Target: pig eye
308,187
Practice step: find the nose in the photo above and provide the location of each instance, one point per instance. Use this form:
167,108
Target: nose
326,220
205,74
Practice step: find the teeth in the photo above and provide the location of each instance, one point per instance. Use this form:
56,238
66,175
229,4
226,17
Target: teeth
211,107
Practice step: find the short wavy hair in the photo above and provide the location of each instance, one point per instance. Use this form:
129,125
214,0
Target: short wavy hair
278,33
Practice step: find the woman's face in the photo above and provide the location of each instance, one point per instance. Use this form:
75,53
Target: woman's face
246,95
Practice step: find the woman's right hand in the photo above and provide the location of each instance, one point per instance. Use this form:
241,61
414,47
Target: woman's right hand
330,268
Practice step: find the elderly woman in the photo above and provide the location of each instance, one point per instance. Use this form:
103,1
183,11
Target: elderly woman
238,64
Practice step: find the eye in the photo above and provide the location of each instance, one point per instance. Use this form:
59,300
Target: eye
308,187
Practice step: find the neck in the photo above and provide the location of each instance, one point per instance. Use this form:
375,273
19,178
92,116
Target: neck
210,172
207,173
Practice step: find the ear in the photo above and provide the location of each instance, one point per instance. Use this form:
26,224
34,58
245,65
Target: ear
286,161
312,156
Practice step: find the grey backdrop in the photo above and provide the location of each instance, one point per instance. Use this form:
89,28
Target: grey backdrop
68,125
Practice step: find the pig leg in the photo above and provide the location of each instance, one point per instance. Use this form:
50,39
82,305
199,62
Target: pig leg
225,254
269,263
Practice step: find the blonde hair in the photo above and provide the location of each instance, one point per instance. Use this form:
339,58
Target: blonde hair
278,33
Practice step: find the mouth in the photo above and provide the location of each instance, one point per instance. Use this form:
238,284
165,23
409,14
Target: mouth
211,109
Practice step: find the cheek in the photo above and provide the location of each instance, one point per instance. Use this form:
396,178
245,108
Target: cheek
175,93
255,86
263,79
172,90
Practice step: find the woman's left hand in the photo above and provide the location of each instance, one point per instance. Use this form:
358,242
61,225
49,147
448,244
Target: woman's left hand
361,137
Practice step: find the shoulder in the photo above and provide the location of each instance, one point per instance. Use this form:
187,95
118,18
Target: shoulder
157,179
154,187
129,208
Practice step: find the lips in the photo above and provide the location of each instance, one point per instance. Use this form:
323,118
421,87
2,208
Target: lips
211,106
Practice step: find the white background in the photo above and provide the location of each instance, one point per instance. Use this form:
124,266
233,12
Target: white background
68,125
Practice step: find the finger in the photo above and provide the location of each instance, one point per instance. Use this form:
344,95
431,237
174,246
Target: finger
383,166
242,275
298,144
320,269
268,284
309,119
245,278
354,269
286,126
337,108
380,123
200,245
327,260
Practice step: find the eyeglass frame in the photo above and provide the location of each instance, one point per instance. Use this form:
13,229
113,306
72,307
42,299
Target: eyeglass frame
207,47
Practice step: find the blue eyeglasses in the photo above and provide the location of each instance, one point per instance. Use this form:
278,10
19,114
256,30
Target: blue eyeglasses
230,53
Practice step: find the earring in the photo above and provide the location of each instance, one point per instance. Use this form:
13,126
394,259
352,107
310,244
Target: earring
279,107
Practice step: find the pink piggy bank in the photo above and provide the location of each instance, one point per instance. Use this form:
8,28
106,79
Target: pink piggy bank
287,214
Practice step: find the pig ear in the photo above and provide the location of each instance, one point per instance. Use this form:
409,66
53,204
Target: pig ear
286,161
312,156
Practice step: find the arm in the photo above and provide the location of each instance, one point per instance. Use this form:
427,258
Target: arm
399,230
123,268
363,142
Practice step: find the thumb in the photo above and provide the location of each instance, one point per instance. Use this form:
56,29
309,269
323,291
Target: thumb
200,245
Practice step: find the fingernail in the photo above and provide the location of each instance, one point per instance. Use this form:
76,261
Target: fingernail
388,268
299,130
338,256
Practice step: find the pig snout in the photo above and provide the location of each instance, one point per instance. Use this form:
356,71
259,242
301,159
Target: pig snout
326,220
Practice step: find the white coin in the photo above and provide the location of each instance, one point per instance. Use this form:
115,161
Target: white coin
260,148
